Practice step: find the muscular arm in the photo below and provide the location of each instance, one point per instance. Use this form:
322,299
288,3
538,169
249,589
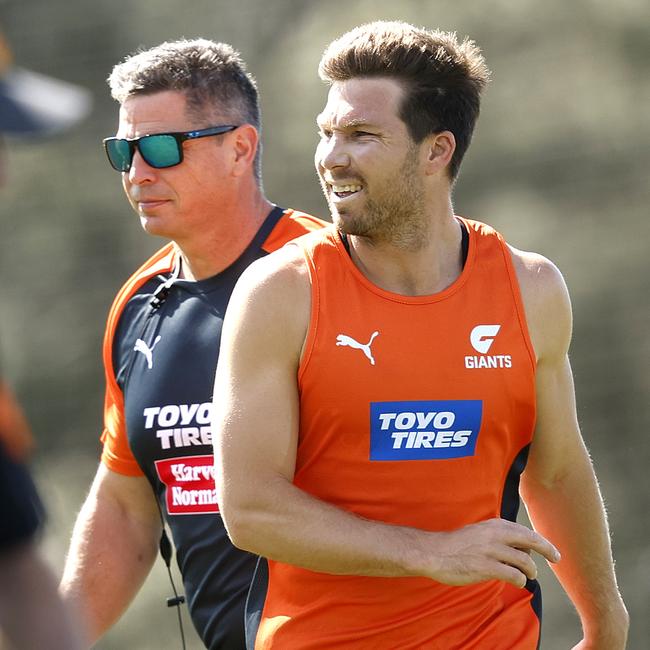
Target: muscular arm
113,546
559,486
32,614
256,415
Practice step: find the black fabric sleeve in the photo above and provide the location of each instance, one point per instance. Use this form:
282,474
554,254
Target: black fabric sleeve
21,510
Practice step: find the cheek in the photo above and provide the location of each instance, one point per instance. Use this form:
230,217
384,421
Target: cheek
199,192
126,186
318,157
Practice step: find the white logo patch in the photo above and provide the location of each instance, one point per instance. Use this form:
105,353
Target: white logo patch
141,346
344,339
483,336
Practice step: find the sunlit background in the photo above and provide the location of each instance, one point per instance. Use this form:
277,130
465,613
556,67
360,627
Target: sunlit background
559,164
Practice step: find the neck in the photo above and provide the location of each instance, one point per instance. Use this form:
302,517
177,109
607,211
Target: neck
235,226
427,269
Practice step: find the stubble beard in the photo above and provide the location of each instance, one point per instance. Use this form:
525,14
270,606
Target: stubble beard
395,216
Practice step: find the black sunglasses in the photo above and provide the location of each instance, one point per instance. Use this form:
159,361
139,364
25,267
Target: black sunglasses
158,150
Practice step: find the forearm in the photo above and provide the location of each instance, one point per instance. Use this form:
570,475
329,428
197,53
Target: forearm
111,553
569,511
286,524
31,612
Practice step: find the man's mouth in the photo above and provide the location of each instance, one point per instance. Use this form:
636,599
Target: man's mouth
149,203
342,191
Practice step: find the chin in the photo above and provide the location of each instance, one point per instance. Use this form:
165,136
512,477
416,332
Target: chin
350,224
340,217
154,227
342,224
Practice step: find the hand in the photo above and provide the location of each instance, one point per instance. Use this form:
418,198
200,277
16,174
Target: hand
496,549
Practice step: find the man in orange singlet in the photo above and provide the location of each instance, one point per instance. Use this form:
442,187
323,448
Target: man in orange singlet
394,382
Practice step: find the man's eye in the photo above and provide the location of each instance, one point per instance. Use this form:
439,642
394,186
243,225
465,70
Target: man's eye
324,134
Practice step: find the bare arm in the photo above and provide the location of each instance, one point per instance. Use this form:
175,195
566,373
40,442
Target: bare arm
256,414
113,546
559,485
32,614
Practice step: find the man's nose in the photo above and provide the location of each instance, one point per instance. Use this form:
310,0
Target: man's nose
332,153
141,171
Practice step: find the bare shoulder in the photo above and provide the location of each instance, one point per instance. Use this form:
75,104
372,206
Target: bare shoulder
546,302
281,272
272,299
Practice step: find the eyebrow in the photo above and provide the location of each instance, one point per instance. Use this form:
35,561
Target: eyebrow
350,124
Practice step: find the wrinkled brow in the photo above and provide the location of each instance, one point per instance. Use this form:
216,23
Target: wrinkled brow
322,120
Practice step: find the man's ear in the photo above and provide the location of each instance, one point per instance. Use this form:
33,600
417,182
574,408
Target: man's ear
438,151
245,145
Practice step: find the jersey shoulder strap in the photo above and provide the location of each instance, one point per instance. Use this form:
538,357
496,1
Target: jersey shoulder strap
116,454
290,225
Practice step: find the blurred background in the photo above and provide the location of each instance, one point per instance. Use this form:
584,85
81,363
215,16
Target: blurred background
559,164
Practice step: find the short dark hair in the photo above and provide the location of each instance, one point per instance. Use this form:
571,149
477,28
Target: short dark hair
443,79
212,75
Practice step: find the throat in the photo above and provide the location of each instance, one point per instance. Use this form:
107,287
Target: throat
409,273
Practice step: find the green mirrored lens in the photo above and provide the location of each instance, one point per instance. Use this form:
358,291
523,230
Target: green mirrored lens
119,154
160,150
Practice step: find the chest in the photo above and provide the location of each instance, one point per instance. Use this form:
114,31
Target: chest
417,407
166,359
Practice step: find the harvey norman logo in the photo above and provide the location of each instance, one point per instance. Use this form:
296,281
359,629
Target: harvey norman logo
190,484
482,337
424,430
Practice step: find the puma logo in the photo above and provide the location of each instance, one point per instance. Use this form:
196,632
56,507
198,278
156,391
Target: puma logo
141,346
344,339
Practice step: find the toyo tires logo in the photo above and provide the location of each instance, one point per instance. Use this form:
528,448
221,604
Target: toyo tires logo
424,430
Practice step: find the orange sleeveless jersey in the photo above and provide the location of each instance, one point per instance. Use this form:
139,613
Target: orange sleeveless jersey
116,453
417,411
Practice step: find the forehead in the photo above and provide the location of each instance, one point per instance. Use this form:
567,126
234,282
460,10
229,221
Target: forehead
367,100
154,113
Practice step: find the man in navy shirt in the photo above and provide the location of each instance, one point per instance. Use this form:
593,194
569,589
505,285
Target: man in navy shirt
188,152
